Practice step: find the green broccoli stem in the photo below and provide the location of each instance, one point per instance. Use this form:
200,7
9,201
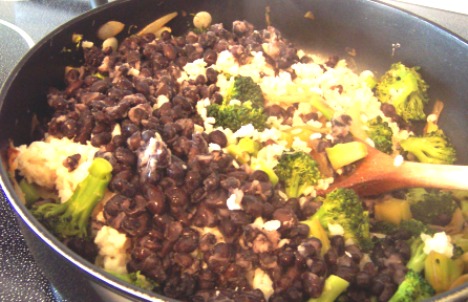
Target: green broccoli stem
334,286
317,102
71,218
418,257
30,192
292,189
137,279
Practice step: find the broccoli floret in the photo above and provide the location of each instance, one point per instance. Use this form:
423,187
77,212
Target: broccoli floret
405,89
414,227
433,148
333,287
237,115
245,89
137,279
410,227
297,171
71,218
384,227
414,288
342,206
248,110
343,154
431,206
381,134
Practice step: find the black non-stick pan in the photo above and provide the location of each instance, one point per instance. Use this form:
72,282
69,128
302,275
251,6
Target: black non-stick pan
369,34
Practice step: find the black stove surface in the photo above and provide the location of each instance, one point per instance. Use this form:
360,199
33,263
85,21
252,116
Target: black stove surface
22,23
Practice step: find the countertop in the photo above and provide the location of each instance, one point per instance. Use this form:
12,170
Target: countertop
20,278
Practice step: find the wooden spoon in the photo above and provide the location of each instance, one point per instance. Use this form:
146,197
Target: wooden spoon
378,173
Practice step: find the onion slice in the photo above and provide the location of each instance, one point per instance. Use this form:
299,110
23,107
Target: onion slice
154,26
110,29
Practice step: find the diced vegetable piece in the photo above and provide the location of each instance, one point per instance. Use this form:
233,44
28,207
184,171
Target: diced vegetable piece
344,154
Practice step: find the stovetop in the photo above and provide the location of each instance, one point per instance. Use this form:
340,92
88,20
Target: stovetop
22,23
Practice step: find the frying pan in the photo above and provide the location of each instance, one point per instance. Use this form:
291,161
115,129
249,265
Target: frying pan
371,35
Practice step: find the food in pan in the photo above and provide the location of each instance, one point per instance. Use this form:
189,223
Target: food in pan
190,164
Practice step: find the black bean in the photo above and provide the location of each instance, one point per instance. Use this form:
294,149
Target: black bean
198,195
346,272
241,217
156,199
187,242
134,141
186,125
259,175
206,279
228,228
139,113
173,230
287,217
363,280
123,183
388,291
338,243
252,205
99,86
181,61
125,156
286,257
135,226
207,242
165,35
318,267
355,252
204,217
211,76
211,182
72,161
312,284
83,247
180,287
210,56
169,51
177,197
331,257
242,28
306,59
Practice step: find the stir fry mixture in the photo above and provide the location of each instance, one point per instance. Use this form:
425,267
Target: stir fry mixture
193,166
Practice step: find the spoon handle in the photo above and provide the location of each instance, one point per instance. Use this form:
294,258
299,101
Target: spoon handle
435,176
412,174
